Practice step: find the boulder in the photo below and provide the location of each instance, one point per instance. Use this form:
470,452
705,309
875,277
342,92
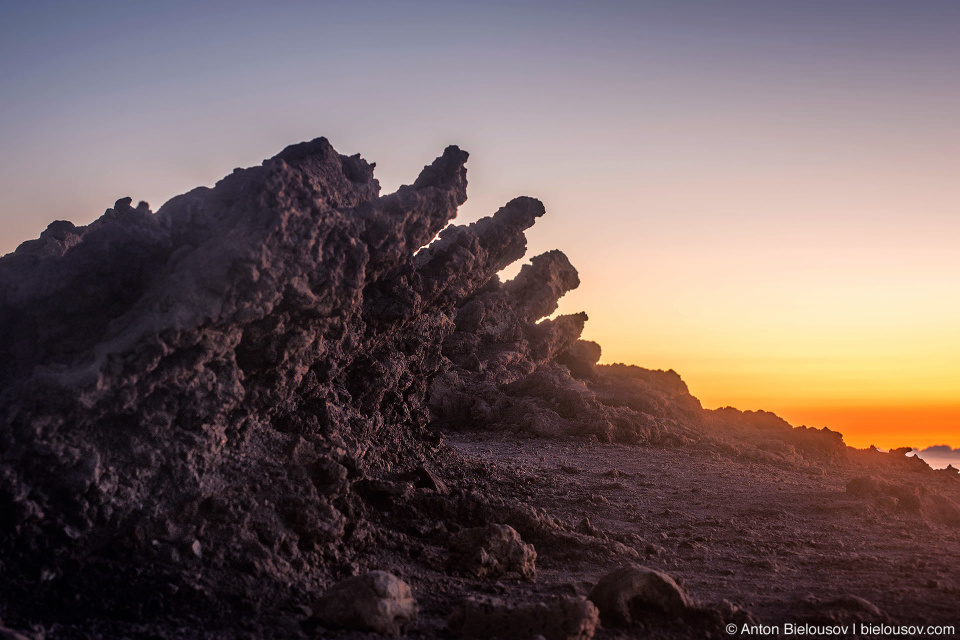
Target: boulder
492,551
375,601
626,594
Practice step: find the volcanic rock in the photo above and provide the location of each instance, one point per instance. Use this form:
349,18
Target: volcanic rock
580,358
492,551
375,601
628,594
240,368
913,500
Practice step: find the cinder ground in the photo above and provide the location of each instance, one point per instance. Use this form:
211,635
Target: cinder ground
783,543
787,545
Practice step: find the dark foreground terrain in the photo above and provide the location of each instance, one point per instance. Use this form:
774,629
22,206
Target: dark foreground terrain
281,408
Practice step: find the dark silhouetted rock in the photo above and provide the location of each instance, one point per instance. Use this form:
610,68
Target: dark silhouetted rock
376,601
241,368
581,358
627,594
492,551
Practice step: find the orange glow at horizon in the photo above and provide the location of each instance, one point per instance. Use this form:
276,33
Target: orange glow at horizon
887,400
873,357
917,411
831,300
887,427
918,407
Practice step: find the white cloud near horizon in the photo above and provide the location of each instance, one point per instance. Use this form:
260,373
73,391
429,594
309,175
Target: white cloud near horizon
939,456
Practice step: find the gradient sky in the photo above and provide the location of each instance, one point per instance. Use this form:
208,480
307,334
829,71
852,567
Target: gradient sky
760,195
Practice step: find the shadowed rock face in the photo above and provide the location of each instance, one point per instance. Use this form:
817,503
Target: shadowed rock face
204,384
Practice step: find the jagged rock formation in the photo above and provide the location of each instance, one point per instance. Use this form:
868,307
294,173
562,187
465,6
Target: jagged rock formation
211,384
214,373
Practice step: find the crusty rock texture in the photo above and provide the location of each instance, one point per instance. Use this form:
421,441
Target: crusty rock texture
492,551
218,385
376,601
212,413
630,592
218,371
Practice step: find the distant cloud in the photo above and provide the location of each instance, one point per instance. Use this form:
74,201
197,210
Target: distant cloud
939,456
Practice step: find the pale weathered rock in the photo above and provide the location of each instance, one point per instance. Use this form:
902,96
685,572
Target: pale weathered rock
375,601
625,594
563,619
491,551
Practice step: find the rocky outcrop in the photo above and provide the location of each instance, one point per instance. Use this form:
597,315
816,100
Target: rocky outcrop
220,375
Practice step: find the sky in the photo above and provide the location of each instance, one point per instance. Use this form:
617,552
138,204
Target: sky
759,195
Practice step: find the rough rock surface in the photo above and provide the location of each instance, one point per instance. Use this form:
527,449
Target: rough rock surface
563,619
212,413
492,551
375,601
628,593
222,371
